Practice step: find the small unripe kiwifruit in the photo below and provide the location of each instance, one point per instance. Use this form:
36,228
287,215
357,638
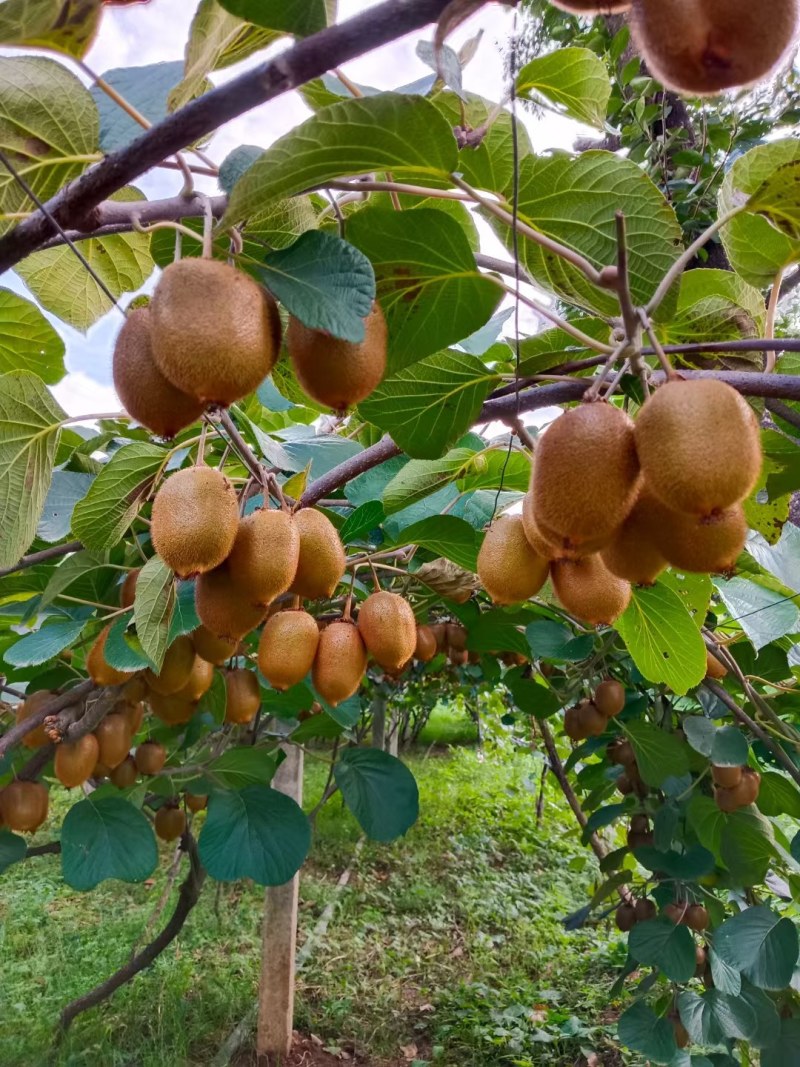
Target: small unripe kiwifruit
439,631
509,569
24,805
100,671
645,910
113,735
243,697
426,646
609,697
697,918
727,800
150,757
340,662
124,775
176,668
625,917
750,786
215,332
706,546
321,562
147,396
223,609
573,724
337,373
593,722
640,824
29,706
194,521
715,668
75,760
727,777
134,713
210,648
170,823
127,591
265,554
456,636
639,839
699,445
388,628
287,648
196,801
587,589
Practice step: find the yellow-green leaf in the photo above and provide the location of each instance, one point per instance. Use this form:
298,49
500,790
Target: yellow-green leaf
574,79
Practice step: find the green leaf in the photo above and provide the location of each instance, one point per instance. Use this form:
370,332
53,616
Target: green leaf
428,407
106,837
123,649
497,468
726,979
255,833
747,847
764,614
30,421
694,591
641,1030
66,489
62,284
686,866
778,795
707,821
777,200
574,79
152,609
785,1052
700,733
146,88
48,127
729,747
345,714
324,282
429,285
51,24
361,521
379,790
185,617
550,640
447,536
659,755
766,1014
298,17
214,702
662,638
72,569
238,768
12,849
420,478
27,340
761,945
44,644
715,1016
404,134
101,519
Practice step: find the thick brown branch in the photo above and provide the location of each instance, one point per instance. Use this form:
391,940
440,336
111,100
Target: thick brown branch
42,557
351,468
97,707
187,898
52,707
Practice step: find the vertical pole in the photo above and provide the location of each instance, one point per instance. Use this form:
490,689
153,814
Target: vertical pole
378,709
279,938
393,747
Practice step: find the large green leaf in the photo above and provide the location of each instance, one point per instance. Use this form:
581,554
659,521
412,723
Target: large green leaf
777,200
108,509
764,614
419,478
145,88
574,79
213,702
379,790
27,340
406,135
490,164
106,837
761,945
785,1052
714,304
663,639
429,285
240,767
52,24
12,849
747,847
643,1031
152,609
428,407
715,1016
298,17
30,421
66,489
707,821
73,569
763,1008
659,755
48,127
778,795
44,643
254,833
444,535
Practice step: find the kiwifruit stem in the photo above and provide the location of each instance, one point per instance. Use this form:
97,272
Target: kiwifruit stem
139,227
772,314
208,227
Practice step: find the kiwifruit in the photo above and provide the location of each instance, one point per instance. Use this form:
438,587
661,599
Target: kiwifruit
127,591
133,691
624,784
587,589
125,775
509,569
456,636
586,473
609,697
134,713
625,917
29,706
196,801
150,757
388,628
727,777
708,545
287,648
550,545
700,962
340,662
593,722
223,609
215,332
426,646
147,396
114,739
703,47
682,1039
174,709
243,695
194,520
100,770
170,823
727,800
639,824
645,909
210,648
321,563
100,671
459,657
573,724
682,432
697,918
176,668
24,805
201,678
640,839
75,760
439,631
337,373
265,554
715,668
750,786
625,753
633,553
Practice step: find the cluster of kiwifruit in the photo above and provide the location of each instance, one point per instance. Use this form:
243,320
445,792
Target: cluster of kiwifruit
620,752
735,787
210,336
614,503
704,46
590,717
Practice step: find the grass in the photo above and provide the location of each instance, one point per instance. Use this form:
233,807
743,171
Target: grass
447,947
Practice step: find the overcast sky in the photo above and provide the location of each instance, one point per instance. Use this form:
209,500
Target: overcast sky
137,35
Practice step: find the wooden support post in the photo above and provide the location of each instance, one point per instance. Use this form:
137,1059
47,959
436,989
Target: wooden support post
378,709
393,746
279,938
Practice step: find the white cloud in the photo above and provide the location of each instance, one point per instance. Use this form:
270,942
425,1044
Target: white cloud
78,394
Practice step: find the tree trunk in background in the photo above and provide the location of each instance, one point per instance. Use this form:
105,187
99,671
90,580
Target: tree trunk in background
378,710
393,745
279,937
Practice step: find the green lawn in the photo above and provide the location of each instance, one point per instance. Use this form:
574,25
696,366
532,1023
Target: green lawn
448,941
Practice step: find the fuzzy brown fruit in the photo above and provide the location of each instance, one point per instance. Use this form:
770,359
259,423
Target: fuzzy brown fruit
509,569
147,396
75,760
127,591
590,8
174,709
322,560
100,671
550,545
287,648
150,757
727,777
24,805
212,649
30,706
679,431
337,373
640,824
439,631
201,678
645,910
702,545
641,839
426,646
609,697
586,474
196,801
170,823
456,636
573,724
264,558
588,590
715,668
215,332
593,722
340,662
633,553
388,628
625,917
113,735
697,918
243,695
125,775
175,670
703,47
223,609
194,521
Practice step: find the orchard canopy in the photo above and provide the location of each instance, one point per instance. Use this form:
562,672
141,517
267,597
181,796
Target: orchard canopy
414,411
